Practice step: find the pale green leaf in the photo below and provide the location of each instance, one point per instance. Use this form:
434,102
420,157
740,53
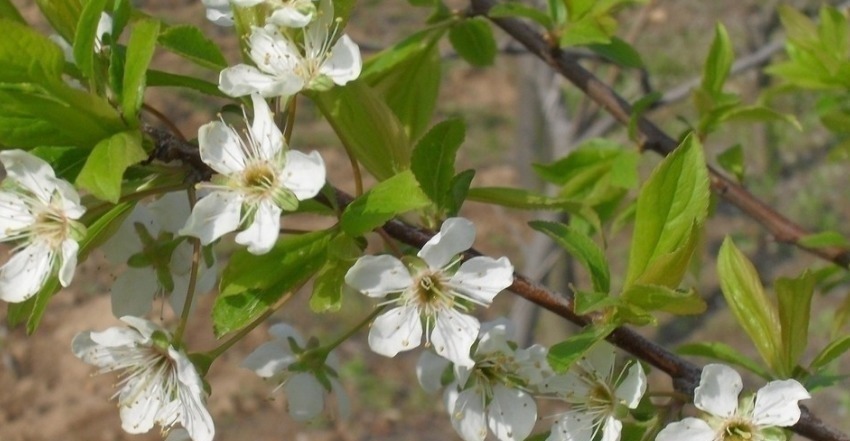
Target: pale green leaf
102,173
390,198
139,54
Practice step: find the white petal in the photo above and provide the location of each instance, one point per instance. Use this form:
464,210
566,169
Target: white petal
126,242
599,361
612,429
303,175
377,276
632,388
343,403
262,234
290,17
30,171
178,434
68,263
511,414
220,18
344,64
494,336
133,292
146,328
70,199
14,214
481,278
690,429
245,3
429,371
467,415
270,358
266,136
305,396
573,426
171,210
214,216
25,273
453,336
456,235
284,331
272,52
777,403
221,148
396,330
717,393
241,80
139,407
194,415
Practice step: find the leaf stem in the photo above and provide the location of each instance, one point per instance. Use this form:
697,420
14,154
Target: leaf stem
193,277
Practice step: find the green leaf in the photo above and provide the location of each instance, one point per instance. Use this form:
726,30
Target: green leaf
756,113
330,284
745,295
139,54
794,304
517,9
66,161
62,16
27,56
157,78
832,351
583,248
42,299
407,76
662,298
367,127
718,63
86,35
251,284
562,355
433,160
102,173
8,11
732,160
526,200
473,41
638,109
191,43
724,353
103,227
671,208
388,199
620,52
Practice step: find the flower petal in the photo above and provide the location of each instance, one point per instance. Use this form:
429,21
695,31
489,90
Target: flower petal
482,278
429,371
690,429
26,272
612,429
305,396
270,358
717,393
342,401
133,292
377,276
194,415
272,52
572,426
145,328
214,216
68,263
284,331
511,414
453,336
396,330
290,17
467,414
242,79
30,171
456,235
303,175
267,138
777,403
344,63
170,211
632,388
262,234
15,215
139,407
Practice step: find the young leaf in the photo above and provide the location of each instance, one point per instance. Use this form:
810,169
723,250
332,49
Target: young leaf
620,52
832,351
330,284
662,298
745,295
794,305
190,42
725,353
85,37
388,199
732,160
102,173
27,56
517,9
473,40
564,354
582,248
157,78
433,160
8,11
251,284
62,16
718,63
367,127
671,207
139,53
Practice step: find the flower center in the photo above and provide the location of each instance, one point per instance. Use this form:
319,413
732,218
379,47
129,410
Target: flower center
431,294
259,177
737,430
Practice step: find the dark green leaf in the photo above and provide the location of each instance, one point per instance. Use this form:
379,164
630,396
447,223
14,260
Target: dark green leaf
747,301
139,54
433,160
459,191
330,284
516,9
8,11
725,353
564,354
732,160
832,351
794,305
620,52
398,194
190,42
583,248
473,40
102,173
157,78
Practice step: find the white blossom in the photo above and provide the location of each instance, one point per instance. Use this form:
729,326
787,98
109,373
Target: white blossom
597,398
495,392
753,418
159,384
286,13
39,212
219,12
305,381
433,290
284,67
159,262
259,178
